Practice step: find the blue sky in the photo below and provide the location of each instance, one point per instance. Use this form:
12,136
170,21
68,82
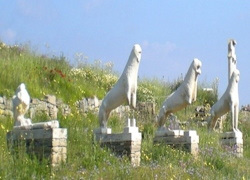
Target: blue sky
171,33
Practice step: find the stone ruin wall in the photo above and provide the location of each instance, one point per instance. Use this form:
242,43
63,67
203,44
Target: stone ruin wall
50,106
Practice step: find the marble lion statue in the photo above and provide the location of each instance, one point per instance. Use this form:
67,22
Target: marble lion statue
184,95
228,102
21,102
125,88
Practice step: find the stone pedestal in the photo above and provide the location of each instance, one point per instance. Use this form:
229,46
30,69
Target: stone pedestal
43,143
233,142
127,143
186,140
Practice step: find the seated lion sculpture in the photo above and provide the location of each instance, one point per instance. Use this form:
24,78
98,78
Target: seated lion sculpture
184,95
125,88
228,102
21,102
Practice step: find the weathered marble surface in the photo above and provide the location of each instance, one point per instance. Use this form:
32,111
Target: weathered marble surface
125,88
21,102
183,96
229,102
232,60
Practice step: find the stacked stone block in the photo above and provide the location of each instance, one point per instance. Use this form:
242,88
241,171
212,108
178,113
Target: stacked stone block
47,106
43,143
233,142
5,107
127,143
88,104
186,140
50,106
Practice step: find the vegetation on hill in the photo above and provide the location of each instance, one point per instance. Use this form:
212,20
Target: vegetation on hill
86,160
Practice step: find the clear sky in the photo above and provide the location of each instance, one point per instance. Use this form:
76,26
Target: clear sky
171,33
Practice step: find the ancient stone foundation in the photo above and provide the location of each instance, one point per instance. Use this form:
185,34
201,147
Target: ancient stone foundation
127,143
43,143
233,142
186,140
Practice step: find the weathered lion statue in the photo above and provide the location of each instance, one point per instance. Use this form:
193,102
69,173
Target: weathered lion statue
21,102
228,102
184,95
125,88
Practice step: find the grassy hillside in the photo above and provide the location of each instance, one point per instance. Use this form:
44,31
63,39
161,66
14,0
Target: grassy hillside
86,160
44,75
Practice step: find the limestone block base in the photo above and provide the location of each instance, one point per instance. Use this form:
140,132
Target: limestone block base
43,143
233,142
127,143
186,140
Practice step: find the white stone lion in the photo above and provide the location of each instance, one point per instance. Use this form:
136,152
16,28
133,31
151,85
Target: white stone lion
184,95
125,88
228,102
21,102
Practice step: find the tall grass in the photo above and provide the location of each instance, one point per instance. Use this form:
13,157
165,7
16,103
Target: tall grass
86,160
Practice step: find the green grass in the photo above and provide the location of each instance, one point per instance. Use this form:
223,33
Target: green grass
85,158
